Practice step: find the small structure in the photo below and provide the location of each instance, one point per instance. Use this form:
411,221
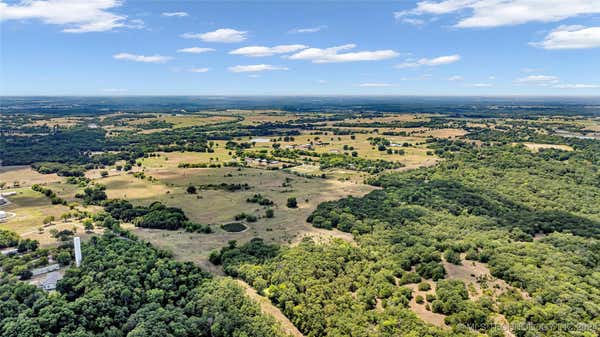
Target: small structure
9,251
44,270
77,247
8,194
3,215
49,283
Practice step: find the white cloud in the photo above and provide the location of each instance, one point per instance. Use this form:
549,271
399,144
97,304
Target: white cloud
142,58
413,21
195,50
374,85
571,37
576,86
481,85
255,68
494,13
332,55
322,81
77,16
256,51
308,30
538,79
198,70
223,35
437,61
455,78
175,14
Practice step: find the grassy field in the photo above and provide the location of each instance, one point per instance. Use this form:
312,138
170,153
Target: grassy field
416,152
23,176
218,206
172,159
182,121
536,147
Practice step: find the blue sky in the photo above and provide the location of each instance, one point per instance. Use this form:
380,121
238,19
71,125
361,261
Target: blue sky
436,47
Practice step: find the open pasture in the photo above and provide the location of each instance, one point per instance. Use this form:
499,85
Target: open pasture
173,159
219,206
24,176
414,153
182,121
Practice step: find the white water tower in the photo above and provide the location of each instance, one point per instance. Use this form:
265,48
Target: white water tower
77,246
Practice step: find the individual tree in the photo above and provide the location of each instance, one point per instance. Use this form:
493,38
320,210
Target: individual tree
191,189
269,213
292,202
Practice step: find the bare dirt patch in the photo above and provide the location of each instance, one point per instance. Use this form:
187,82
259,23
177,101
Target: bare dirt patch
420,309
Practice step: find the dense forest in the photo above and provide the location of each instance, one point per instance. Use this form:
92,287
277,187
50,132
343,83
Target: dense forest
127,288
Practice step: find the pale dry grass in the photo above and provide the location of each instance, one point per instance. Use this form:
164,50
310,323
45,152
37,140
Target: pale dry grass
536,147
216,207
24,176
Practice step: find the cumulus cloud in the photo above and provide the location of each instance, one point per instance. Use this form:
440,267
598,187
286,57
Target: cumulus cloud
333,55
437,61
252,68
76,16
576,86
374,85
223,35
175,14
494,13
538,79
308,30
257,51
195,50
142,58
571,37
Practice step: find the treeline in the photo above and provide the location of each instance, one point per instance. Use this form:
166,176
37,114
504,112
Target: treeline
54,199
328,160
136,291
156,215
